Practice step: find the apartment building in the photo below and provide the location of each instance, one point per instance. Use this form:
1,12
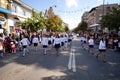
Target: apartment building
94,16
12,13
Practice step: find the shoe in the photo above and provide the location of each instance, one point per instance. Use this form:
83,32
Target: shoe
23,55
44,53
97,56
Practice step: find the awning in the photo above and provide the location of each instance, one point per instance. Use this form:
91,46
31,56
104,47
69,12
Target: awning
19,19
93,25
2,19
5,10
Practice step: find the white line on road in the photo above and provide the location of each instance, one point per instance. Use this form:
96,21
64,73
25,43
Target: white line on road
72,63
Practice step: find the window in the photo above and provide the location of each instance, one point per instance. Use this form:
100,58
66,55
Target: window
14,8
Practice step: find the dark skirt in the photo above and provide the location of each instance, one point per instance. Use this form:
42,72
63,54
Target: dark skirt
57,45
45,46
49,42
102,50
35,44
91,46
24,46
69,40
62,43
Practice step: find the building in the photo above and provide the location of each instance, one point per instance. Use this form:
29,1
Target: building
5,12
12,13
94,16
85,17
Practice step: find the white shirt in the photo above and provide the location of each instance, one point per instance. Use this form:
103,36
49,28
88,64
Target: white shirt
45,41
62,39
82,39
25,41
57,41
1,47
102,45
91,42
50,39
35,40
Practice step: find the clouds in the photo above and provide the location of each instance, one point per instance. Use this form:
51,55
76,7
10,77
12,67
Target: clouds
71,3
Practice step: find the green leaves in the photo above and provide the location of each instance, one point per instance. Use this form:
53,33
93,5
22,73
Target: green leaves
111,20
82,26
52,22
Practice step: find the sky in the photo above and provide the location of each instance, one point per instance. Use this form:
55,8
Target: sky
70,11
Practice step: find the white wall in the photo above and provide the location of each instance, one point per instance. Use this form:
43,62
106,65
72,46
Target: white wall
20,11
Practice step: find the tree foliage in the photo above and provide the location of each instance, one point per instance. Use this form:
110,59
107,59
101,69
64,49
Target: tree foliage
112,19
67,29
82,26
52,22
34,23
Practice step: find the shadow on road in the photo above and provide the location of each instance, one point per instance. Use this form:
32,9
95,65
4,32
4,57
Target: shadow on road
88,67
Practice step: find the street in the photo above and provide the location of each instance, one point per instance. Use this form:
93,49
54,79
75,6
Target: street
73,63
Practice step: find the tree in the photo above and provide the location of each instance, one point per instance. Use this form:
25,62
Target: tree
112,19
34,23
82,26
53,22
67,29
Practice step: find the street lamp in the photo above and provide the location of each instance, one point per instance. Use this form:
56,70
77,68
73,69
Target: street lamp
103,6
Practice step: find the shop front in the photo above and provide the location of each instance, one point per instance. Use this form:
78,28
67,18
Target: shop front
2,22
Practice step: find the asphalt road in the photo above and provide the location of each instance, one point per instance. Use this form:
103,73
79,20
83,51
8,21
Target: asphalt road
73,63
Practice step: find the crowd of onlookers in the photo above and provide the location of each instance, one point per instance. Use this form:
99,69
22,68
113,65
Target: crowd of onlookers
105,41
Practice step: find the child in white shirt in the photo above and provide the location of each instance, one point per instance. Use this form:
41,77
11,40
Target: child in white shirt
35,41
25,42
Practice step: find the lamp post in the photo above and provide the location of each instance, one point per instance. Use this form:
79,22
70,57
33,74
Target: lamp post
103,6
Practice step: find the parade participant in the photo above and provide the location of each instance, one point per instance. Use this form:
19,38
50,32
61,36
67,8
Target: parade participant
13,46
102,49
45,43
66,40
91,44
25,42
35,42
62,42
70,37
57,44
50,41
83,42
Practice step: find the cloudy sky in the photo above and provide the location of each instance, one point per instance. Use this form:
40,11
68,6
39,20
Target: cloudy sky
70,11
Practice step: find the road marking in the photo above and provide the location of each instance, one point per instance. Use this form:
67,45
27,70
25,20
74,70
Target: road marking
72,63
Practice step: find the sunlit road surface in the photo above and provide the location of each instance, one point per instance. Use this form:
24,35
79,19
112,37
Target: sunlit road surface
73,63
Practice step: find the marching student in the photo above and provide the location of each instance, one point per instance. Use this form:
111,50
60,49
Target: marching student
57,44
70,38
45,43
25,42
102,49
35,42
91,44
50,41
62,42
66,41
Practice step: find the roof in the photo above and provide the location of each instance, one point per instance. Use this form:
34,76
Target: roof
25,5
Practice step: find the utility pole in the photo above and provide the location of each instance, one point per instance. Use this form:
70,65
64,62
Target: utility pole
103,6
